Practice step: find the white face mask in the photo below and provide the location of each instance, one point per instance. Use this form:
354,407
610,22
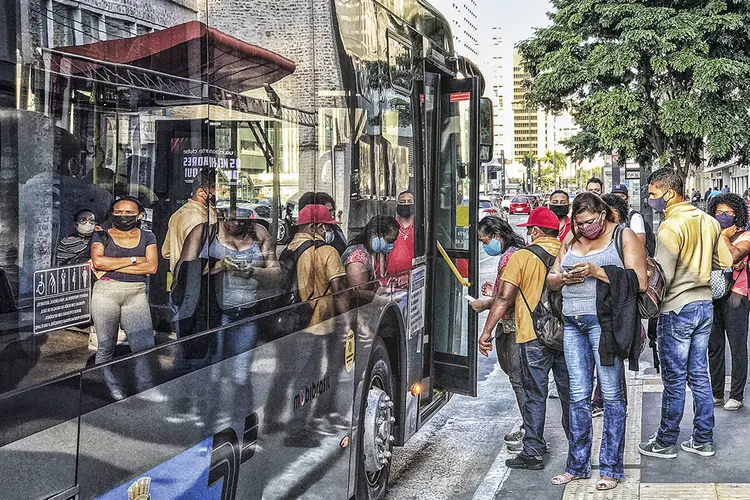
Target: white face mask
85,228
330,236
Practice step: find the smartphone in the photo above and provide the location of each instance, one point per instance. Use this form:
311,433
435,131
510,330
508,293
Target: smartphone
569,269
491,338
469,298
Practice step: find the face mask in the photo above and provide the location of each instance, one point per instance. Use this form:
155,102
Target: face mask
658,205
405,210
125,222
591,231
379,245
493,247
237,227
725,220
560,210
330,236
86,228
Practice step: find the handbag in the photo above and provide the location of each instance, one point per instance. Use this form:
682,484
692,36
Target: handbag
722,281
649,301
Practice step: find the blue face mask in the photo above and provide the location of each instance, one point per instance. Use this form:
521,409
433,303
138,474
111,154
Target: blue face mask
493,247
379,245
725,220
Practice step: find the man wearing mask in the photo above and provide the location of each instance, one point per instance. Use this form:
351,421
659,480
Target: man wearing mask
559,203
689,246
402,256
522,283
76,247
199,209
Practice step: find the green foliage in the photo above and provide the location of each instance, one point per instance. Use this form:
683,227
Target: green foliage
659,81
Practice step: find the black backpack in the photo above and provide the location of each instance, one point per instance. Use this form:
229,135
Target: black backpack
547,315
278,325
650,236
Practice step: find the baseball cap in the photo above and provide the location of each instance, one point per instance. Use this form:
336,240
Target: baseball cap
542,217
315,214
620,188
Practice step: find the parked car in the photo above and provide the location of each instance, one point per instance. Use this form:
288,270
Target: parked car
520,205
506,202
488,207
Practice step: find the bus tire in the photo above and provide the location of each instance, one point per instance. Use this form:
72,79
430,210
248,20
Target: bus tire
376,424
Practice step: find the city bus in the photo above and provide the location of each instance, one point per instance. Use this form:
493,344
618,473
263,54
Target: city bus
361,100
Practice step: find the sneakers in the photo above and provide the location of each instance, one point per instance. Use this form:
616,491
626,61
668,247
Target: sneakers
514,437
596,411
652,448
516,447
732,404
702,449
718,401
526,463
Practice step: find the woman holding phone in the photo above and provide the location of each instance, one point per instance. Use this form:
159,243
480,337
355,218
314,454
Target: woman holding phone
578,267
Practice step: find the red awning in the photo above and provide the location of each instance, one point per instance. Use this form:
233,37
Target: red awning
191,50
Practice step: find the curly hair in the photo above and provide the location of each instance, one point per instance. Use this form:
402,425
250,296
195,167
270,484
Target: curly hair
733,201
619,205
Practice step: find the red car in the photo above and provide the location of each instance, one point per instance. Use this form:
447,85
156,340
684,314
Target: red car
520,205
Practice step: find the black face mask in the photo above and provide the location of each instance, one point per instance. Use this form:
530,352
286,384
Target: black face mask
405,210
560,210
125,222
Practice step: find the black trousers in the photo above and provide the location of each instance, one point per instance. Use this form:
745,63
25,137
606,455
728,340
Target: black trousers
730,322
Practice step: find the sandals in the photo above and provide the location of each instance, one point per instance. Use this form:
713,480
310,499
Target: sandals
564,478
606,483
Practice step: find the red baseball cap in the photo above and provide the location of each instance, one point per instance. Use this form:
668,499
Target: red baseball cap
542,217
318,214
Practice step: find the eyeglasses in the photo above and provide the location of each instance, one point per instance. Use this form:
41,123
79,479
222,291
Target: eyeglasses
91,222
726,212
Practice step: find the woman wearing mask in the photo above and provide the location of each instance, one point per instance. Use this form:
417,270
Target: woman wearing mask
402,256
123,257
365,258
76,247
499,238
578,267
559,203
731,311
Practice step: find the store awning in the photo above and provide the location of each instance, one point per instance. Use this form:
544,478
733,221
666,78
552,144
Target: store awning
191,50
721,166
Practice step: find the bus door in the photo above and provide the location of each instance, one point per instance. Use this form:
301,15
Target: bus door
455,272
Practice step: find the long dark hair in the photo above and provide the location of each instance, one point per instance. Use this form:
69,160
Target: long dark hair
380,225
589,202
493,226
735,202
619,205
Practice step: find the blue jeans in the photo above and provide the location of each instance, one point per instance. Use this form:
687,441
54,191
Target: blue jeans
536,362
582,334
683,347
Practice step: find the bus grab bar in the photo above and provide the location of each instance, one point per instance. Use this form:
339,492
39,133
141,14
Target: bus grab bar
453,268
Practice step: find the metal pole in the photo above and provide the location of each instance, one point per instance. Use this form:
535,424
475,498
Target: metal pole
502,171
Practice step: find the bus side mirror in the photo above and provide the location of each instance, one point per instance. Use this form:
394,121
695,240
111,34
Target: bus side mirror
485,130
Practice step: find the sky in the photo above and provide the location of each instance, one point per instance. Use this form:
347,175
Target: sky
519,17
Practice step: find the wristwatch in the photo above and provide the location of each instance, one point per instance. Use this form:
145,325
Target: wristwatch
133,260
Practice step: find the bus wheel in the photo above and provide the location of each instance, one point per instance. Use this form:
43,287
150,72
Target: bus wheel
376,427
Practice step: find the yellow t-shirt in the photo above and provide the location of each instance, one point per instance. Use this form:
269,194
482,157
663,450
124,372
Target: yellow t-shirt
181,223
316,267
526,271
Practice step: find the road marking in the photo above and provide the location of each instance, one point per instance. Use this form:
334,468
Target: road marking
497,475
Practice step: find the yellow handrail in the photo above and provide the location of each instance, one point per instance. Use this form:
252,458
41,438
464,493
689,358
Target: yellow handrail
453,268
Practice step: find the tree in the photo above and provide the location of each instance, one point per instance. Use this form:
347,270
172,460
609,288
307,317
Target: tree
528,160
554,162
655,80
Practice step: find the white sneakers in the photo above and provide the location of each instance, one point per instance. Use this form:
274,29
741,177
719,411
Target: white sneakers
733,405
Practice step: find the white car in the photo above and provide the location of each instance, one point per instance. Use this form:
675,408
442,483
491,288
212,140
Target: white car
506,202
488,207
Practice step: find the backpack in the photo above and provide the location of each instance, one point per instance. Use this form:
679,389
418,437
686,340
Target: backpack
650,236
547,315
278,325
649,301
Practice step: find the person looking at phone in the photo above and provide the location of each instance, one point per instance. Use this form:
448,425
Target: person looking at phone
522,282
499,239
580,265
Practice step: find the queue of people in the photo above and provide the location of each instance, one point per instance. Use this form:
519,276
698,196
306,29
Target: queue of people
579,317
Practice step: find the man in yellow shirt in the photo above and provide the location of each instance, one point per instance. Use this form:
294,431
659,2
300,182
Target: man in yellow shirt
689,245
320,273
524,277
